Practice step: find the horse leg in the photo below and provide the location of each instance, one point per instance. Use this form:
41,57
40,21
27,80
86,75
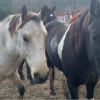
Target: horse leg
90,88
64,85
51,80
15,79
29,76
51,76
20,70
73,89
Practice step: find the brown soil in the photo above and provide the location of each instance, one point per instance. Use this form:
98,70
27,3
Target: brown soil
40,91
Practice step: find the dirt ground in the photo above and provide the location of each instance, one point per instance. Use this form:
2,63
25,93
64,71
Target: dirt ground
40,91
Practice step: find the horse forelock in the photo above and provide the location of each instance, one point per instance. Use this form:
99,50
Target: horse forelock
15,21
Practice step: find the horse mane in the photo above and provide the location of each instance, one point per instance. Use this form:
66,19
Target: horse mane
15,21
82,17
76,34
72,19
78,20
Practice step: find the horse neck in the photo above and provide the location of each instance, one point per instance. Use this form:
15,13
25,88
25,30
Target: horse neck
8,42
46,21
78,34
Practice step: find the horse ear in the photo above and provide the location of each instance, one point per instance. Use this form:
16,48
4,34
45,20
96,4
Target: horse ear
42,14
95,9
24,12
54,8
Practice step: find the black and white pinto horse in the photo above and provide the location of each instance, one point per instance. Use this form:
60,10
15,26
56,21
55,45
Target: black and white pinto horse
75,49
49,17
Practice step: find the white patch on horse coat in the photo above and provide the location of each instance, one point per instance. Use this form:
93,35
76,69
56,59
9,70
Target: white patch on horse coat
53,44
51,15
61,44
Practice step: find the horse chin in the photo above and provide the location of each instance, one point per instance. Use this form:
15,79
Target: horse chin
38,79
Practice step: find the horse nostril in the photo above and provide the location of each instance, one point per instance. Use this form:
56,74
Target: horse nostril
40,79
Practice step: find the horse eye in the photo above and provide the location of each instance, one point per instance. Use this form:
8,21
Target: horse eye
25,39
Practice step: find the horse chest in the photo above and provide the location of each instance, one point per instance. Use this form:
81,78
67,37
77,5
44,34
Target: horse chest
80,77
77,72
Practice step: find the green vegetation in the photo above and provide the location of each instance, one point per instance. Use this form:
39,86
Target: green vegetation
5,6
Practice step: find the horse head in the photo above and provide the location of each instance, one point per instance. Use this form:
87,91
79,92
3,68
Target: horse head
93,34
50,15
31,42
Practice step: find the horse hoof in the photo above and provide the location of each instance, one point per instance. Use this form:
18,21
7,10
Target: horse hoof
20,97
68,98
53,97
91,99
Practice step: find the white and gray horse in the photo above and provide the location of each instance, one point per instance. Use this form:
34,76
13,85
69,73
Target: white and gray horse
22,36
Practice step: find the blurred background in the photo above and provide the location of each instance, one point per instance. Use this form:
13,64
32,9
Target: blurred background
63,7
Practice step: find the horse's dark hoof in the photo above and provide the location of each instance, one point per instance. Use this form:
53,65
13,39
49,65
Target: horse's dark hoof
68,97
53,94
53,97
20,97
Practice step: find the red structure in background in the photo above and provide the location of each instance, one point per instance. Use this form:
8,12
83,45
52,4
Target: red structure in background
75,12
61,17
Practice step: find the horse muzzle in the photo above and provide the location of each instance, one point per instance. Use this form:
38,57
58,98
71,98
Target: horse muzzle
39,79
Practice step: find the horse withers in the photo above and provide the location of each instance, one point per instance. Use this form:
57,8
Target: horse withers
49,17
75,49
22,36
